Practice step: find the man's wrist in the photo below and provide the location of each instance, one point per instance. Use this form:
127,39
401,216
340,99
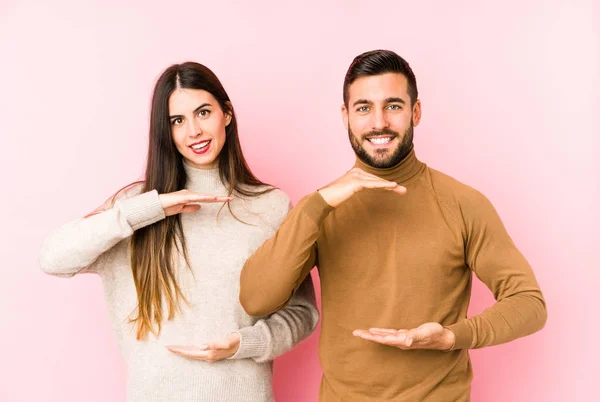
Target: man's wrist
449,340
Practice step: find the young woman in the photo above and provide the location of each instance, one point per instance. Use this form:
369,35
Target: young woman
170,250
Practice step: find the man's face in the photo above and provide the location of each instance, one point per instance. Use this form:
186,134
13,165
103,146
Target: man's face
380,119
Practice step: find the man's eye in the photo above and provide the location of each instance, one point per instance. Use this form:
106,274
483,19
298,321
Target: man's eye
394,107
363,109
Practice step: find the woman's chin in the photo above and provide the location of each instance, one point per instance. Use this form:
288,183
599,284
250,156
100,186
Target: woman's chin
202,162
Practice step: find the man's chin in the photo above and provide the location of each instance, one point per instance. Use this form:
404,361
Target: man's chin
381,157
377,161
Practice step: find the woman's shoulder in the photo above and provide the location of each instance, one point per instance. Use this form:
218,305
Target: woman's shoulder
275,196
269,201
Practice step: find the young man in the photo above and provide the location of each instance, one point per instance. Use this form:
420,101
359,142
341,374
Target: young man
395,243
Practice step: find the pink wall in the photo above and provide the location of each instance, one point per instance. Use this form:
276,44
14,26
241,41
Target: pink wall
509,95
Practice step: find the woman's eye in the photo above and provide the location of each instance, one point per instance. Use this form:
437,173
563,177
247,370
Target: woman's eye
204,113
177,121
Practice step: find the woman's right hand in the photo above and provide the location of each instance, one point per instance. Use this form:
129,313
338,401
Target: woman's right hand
184,201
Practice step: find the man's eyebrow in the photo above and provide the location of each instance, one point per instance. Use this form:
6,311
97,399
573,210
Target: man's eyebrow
387,100
362,102
395,100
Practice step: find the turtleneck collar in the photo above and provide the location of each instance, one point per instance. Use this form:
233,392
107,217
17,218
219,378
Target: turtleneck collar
204,181
407,169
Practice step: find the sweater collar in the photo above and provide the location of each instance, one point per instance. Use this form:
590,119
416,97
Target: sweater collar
204,181
408,168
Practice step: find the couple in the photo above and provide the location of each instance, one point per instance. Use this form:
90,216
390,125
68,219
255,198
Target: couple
206,274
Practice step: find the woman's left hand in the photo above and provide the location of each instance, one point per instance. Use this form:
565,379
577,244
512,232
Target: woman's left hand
210,352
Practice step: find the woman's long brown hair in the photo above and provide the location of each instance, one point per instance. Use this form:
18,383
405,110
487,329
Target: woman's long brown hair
156,249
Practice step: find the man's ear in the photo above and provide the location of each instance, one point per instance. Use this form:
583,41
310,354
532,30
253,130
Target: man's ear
417,112
344,110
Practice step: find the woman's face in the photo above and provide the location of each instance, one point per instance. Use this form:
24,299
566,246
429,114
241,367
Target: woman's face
198,126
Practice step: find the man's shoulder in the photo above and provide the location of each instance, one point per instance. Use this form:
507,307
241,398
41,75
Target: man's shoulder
453,192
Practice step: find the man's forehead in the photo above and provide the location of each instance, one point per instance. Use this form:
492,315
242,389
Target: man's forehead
379,87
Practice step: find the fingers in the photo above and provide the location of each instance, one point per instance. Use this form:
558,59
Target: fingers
383,330
430,335
368,183
188,351
191,198
376,333
383,338
364,334
197,353
186,197
402,338
385,185
379,183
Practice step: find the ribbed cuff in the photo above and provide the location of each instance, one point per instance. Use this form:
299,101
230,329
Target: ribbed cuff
463,335
315,206
252,343
142,210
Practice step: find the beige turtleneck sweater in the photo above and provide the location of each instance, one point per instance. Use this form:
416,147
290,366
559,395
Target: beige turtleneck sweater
217,250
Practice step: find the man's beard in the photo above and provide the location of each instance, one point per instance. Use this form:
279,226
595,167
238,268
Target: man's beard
384,158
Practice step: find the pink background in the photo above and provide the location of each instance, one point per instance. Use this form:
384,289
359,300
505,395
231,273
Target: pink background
510,98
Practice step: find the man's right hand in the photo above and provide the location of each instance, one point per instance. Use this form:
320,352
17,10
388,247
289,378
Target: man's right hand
354,181
186,201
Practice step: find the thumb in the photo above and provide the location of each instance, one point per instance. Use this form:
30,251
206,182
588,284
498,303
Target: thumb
190,208
414,335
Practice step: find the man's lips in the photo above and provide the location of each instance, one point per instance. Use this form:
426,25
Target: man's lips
380,139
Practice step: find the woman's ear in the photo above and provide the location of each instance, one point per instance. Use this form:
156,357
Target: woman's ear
229,113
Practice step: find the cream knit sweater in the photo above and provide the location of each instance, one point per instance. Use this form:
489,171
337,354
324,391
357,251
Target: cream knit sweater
218,246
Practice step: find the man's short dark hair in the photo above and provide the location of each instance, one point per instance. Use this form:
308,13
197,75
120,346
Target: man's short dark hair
377,62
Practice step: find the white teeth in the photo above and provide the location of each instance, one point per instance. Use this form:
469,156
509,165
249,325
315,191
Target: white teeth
201,145
380,141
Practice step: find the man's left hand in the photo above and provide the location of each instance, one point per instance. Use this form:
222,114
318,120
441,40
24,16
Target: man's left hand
427,336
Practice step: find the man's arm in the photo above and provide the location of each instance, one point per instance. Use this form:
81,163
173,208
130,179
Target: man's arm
520,308
277,268
272,274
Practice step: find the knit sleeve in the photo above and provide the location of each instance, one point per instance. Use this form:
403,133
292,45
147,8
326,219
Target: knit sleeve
520,308
278,333
78,245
